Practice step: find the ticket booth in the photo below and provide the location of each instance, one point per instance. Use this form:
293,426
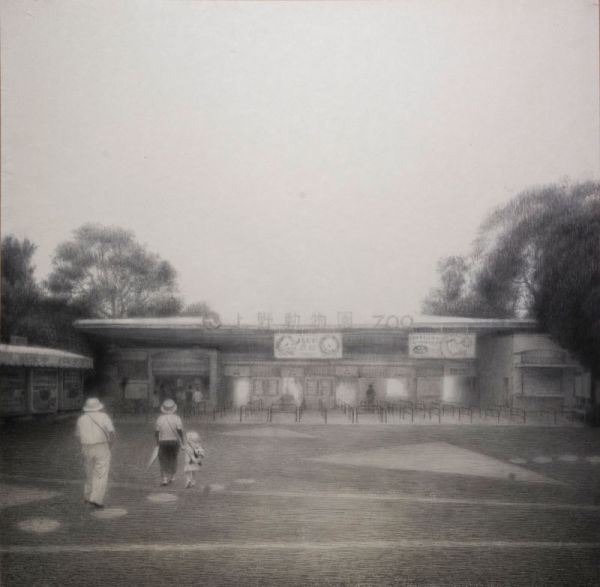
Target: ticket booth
37,380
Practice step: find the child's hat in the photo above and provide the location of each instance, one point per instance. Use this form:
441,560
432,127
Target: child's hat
193,436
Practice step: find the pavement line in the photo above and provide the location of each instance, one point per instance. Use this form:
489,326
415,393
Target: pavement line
341,496
319,546
416,499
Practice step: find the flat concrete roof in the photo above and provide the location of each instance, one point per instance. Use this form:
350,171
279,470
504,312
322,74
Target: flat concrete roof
187,331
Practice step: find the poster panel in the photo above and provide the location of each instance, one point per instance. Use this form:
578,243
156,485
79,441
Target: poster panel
307,345
13,390
429,345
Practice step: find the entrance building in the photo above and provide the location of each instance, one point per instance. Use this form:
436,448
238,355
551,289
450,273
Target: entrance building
463,361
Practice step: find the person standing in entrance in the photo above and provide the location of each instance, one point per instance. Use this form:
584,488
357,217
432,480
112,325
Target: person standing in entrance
197,398
370,395
169,437
96,433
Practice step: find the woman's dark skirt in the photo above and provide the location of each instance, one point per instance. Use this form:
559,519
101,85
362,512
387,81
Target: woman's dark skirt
167,457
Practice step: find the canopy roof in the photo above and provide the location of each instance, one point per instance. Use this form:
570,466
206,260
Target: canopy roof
31,356
193,331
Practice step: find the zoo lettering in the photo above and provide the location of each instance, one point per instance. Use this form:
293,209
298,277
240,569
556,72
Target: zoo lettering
392,321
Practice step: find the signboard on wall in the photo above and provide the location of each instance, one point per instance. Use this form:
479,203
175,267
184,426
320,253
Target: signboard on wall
186,362
307,345
428,345
460,370
237,371
44,390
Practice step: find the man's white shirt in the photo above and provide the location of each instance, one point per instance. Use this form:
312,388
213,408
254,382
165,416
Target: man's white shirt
94,428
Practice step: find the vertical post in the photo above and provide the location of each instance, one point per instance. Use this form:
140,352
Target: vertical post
150,384
213,375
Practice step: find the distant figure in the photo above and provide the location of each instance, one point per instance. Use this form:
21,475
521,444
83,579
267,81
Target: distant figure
155,401
194,453
189,395
169,437
197,397
370,395
96,433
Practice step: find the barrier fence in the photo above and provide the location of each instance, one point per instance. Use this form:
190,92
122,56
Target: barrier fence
400,411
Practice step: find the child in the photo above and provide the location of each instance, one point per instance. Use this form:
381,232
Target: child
194,453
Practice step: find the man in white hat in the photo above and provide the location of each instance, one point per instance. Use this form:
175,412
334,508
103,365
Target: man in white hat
96,433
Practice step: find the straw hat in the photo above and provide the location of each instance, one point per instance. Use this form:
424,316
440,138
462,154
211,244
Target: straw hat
92,404
168,407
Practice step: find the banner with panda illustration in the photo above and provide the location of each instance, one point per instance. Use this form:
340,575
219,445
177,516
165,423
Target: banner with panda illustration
308,345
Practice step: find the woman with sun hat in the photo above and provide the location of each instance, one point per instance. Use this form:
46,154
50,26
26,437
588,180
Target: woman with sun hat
169,437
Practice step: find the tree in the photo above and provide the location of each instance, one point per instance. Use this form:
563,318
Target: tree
26,309
109,271
20,291
567,300
502,269
451,298
160,306
539,256
203,310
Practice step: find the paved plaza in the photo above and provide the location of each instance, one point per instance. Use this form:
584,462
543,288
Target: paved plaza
287,503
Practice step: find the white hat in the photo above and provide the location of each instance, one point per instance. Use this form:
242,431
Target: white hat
92,404
168,407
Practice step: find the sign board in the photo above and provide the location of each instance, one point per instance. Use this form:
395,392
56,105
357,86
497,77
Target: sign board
374,371
307,345
237,371
460,370
264,370
188,362
441,345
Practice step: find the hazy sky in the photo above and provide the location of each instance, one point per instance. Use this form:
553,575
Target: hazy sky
292,156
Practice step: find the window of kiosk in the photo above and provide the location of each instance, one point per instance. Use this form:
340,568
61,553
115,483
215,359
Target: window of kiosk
13,390
44,389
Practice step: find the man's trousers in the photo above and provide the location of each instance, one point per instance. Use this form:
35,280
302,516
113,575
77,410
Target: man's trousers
97,463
